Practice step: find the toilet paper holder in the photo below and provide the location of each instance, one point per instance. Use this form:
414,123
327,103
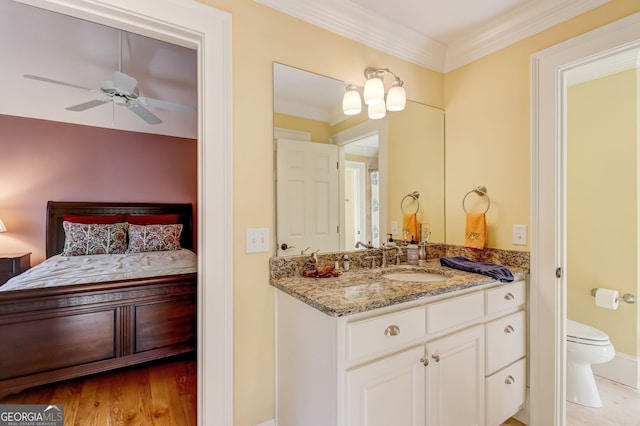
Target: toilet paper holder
628,298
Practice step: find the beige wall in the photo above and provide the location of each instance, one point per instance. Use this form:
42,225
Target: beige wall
487,131
488,127
602,203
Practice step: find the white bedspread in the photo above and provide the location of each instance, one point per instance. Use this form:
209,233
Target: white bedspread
62,270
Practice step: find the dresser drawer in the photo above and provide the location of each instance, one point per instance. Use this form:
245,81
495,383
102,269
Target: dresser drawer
505,393
456,311
505,297
379,334
505,341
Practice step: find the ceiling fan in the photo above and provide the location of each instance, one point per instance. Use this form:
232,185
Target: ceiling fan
123,90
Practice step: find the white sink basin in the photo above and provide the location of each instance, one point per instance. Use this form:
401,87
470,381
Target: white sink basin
423,277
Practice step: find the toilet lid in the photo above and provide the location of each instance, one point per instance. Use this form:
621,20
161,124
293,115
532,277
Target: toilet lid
581,333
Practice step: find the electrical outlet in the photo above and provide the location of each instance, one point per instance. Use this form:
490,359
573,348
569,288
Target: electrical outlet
257,240
394,227
520,235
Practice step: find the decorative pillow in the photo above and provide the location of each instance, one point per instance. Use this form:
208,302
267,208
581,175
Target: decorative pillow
108,219
144,238
87,238
152,219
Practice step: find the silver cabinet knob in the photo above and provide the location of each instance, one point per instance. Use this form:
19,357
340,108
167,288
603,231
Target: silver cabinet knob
392,330
424,361
436,358
508,329
509,296
509,380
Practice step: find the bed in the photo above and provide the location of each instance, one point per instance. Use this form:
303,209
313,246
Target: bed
63,331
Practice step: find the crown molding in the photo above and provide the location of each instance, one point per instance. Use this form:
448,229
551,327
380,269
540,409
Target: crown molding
358,23
513,27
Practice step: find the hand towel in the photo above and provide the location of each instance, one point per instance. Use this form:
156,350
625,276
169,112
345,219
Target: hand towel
492,270
410,223
475,234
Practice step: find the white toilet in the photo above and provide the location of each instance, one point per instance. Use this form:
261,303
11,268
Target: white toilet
585,346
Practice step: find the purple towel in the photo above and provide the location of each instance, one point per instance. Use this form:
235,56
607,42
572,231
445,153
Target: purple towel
492,270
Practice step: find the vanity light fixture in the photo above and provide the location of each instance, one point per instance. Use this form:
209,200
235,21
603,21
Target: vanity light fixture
374,95
2,227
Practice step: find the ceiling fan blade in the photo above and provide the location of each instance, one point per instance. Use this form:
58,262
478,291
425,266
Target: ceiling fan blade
124,82
166,105
144,113
86,105
50,80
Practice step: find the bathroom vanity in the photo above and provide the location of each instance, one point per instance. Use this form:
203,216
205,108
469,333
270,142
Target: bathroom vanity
367,349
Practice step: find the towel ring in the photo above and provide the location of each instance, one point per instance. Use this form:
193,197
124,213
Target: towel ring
480,191
414,195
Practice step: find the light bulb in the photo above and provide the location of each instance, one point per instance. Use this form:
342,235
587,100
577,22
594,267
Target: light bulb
397,97
377,111
374,91
351,102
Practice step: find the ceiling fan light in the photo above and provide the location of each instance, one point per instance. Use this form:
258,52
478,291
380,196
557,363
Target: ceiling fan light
351,102
376,111
396,98
374,91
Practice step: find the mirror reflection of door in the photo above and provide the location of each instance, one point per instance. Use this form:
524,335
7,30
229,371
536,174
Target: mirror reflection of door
306,197
354,203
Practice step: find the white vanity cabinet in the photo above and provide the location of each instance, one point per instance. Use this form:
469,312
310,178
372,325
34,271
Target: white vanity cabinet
505,381
431,362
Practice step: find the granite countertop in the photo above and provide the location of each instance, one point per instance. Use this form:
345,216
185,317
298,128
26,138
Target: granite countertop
361,290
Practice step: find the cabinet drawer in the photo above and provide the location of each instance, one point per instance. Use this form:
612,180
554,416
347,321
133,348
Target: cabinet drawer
505,297
505,393
384,332
505,341
456,311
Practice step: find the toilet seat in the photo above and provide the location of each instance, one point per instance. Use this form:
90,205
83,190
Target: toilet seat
586,335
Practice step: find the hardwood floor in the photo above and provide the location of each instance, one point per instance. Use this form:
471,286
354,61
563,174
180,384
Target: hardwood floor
160,393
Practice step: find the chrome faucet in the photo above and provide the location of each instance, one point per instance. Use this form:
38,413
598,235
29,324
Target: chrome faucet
361,244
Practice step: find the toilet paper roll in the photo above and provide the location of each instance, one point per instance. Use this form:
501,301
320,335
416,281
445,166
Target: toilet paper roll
606,298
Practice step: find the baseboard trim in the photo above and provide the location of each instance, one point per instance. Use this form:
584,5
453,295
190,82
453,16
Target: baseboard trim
271,422
622,368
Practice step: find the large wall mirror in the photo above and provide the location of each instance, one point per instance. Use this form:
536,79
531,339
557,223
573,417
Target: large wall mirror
343,179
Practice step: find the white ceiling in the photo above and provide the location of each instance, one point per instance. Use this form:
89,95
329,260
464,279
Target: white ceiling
35,41
439,34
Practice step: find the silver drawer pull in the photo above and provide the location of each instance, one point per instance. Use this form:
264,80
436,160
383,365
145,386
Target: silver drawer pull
392,330
509,296
436,358
509,380
508,329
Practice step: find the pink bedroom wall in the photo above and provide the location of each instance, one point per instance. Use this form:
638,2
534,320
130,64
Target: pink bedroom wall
45,160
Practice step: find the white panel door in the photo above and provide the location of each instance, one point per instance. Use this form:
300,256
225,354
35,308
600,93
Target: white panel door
388,392
307,196
455,379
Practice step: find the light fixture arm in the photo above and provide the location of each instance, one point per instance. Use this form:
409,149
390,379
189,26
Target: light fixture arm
370,72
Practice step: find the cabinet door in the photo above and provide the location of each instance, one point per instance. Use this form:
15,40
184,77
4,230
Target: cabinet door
455,379
390,391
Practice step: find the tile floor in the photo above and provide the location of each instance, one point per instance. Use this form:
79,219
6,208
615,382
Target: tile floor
621,407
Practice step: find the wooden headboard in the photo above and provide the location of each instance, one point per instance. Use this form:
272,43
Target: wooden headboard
55,210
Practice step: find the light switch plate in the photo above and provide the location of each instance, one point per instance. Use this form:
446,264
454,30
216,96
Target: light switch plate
257,240
520,235
394,227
